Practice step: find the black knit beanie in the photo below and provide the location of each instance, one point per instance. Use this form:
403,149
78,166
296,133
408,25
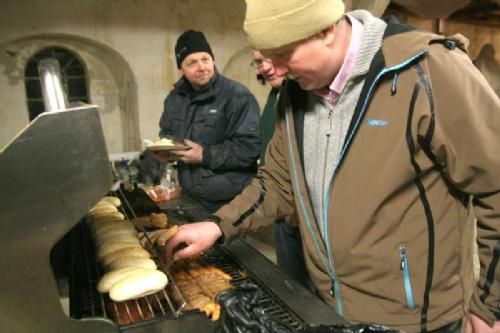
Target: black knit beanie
191,41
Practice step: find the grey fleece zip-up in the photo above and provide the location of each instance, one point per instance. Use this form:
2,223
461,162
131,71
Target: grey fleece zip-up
325,127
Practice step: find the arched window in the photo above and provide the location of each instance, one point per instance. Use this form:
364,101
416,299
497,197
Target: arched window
73,79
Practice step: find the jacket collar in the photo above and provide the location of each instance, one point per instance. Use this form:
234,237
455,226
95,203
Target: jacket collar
403,42
183,87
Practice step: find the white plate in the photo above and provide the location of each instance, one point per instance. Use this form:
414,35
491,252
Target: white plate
166,148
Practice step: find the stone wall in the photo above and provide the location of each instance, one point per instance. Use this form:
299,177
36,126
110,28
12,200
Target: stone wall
127,49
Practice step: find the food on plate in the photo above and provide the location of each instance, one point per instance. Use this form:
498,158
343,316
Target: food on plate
163,142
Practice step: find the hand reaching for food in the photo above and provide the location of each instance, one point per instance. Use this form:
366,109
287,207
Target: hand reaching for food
196,237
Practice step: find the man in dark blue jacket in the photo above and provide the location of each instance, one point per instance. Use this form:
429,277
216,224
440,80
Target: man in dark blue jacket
217,118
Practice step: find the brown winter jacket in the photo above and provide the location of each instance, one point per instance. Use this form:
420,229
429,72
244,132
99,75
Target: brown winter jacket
420,161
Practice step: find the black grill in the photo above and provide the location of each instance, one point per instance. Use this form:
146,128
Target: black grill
86,302
280,298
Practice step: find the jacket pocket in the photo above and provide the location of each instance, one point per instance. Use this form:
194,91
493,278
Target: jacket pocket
175,127
206,129
213,186
405,271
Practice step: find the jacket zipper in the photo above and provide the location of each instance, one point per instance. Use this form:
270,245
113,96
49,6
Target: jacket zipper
334,290
405,270
325,160
330,267
349,138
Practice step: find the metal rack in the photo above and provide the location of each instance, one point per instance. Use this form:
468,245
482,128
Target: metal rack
86,302
129,212
53,172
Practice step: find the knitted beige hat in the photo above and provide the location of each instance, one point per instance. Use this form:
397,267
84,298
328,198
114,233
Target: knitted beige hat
274,23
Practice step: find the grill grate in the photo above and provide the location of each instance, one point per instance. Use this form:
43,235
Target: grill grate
86,302
222,259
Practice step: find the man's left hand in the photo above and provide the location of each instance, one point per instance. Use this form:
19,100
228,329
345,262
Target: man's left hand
477,325
194,155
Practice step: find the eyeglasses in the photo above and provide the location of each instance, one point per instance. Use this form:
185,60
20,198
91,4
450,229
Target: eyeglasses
256,63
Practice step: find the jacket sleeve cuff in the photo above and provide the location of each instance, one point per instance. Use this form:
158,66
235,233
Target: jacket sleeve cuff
225,224
217,220
205,159
482,310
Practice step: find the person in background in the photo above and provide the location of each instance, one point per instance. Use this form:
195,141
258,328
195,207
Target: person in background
388,146
267,74
217,118
151,169
286,233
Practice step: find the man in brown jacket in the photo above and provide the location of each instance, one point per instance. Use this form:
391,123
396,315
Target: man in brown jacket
388,146
286,233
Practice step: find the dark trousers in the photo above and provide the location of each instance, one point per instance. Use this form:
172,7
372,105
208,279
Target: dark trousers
289,254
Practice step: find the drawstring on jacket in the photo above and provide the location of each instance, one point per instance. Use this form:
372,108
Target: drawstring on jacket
394,83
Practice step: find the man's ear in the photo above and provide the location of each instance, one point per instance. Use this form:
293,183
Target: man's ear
328,34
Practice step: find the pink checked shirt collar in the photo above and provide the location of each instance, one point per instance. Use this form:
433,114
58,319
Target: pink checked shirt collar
332,93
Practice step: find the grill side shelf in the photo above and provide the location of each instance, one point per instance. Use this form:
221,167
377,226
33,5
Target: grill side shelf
303,303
